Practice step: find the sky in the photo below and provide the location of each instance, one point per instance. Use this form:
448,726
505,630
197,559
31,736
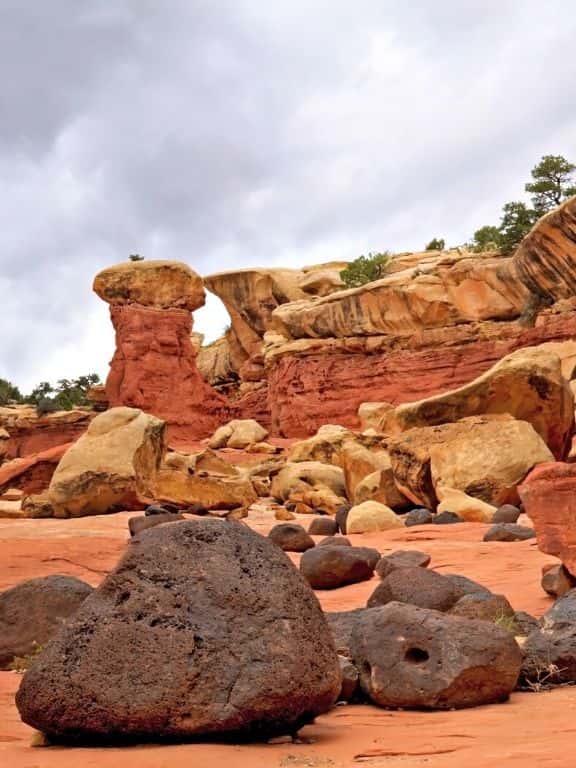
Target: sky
237,133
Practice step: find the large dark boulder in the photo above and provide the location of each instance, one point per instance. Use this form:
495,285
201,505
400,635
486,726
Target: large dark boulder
141,523
419,516
323,526
416,658
32,612
549,658
402,558
562,613
486,607
291,537
465,585
509,532
332,567
342,624
417,586
507,513
203,628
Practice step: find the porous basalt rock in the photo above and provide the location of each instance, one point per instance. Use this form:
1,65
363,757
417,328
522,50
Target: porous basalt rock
203,628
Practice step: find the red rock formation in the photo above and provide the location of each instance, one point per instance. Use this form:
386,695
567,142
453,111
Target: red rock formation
154,368
33,473
549,498
30,433
154,365
328,381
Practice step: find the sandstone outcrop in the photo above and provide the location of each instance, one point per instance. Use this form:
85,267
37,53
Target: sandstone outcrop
32,474
489,461
528,384
545,258
371,516
468,509
251,295
111,466
154,365
549,498
203,478
238,433
26,432
311,382
237,645
158,284
411,455
308,482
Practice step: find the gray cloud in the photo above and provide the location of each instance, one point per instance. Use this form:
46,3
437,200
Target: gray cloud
240,133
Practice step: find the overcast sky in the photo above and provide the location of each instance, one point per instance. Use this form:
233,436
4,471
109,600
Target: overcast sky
234,133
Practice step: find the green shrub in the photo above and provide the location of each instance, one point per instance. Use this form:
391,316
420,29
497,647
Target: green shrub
436,244
366,269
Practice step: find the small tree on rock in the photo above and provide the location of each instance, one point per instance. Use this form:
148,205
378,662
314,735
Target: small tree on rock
517,220
436,244
553,182
365,269
487,238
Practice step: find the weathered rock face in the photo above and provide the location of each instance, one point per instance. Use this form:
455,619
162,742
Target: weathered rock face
238,433
32,612
489,461
545,258
448,290
159,284
32,474
204,627
411,453
28,433
114,463
456,506
299,481
549,498
251,295
214,362
154,368
411,657
202,478
528,384
316,381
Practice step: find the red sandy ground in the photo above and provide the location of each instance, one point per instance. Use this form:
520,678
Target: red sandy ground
530,730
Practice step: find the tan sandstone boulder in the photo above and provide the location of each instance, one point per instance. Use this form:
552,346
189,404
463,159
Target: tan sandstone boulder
112,464
489,461
325,446
371,414
203,478
371,516
470,509
368,476
410,456
527,384
316,485
159,284
238,433
380,486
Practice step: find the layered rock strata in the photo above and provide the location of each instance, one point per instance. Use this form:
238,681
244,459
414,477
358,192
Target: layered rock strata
154,365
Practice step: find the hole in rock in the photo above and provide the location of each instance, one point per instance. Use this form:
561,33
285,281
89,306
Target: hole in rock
416,656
